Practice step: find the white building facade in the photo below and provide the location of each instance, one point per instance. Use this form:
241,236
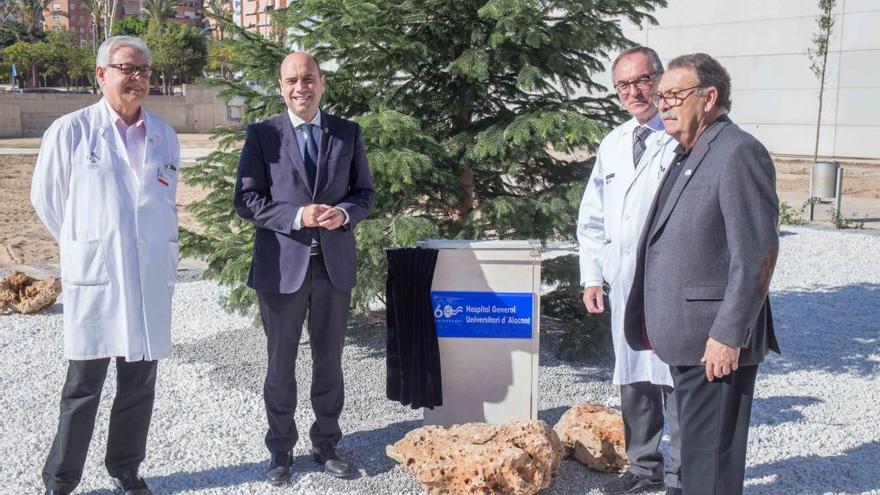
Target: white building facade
763,44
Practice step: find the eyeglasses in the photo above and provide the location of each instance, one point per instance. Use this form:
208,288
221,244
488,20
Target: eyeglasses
642,82
673,98
132,70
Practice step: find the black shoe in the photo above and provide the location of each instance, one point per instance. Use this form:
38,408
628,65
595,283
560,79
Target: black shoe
278,473
130,483
673,491
629,483
333,465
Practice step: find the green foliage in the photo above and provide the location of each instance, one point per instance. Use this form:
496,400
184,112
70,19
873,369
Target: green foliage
30,13
58,57
180,52
817,53
841,222
789,216
819,59
462,105
158,11
583,335
12,32
131,26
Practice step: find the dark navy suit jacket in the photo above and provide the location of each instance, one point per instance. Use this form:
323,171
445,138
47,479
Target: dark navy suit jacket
272,186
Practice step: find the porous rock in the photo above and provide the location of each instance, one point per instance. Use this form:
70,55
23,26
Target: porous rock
593,434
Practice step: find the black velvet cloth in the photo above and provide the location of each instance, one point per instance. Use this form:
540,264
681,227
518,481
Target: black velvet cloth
413,355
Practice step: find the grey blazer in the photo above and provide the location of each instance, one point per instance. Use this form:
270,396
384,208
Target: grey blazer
704,268
272,186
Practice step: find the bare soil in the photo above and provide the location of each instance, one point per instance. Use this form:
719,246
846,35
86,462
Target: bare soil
26,245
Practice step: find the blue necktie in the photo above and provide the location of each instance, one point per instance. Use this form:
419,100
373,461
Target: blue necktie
310,154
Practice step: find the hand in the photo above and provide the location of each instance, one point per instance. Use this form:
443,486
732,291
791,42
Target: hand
594,299
331,219
311,214
720,359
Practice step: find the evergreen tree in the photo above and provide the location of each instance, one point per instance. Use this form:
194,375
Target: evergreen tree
466,108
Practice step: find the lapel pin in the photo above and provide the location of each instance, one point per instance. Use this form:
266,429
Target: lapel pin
688,172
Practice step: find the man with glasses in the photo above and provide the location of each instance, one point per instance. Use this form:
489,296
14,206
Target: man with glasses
629,166
104,185
705,260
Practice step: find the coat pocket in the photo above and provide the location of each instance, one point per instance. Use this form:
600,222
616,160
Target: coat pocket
709,293
83,263
173,262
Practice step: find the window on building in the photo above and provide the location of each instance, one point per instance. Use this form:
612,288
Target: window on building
56,6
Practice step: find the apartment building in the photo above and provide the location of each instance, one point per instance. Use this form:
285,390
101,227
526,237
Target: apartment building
254,16
72,15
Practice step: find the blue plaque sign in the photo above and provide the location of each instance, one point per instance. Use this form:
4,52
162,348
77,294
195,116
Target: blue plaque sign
483,315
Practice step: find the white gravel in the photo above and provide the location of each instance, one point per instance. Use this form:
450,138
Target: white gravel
815,424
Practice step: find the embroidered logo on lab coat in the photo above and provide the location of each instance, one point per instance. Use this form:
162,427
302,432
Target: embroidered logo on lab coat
93,160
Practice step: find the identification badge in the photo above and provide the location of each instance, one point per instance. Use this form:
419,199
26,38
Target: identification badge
608,178
166,173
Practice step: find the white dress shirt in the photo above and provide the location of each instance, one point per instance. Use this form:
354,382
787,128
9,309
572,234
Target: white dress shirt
302,136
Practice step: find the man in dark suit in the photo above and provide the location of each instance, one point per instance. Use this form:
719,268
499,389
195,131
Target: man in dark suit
705,260
304,182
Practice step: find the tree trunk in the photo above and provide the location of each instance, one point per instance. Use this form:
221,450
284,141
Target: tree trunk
466,173
821,94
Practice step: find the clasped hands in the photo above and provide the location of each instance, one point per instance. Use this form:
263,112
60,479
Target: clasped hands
324,216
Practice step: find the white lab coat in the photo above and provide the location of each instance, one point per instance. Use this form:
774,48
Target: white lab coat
612,214
117,233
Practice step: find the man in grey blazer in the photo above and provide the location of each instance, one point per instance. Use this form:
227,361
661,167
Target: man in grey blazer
304,182
705,260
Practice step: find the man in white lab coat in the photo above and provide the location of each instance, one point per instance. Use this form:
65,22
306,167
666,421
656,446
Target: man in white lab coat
104,185
629,166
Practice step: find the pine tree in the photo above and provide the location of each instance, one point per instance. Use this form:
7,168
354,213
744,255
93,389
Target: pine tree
464,106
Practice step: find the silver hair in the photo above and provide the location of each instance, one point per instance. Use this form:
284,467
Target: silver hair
113,43
710,73
656,64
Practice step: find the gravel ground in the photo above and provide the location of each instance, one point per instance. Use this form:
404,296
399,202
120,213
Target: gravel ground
815,424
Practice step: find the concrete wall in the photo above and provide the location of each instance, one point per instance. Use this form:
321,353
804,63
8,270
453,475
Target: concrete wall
763,44
200,109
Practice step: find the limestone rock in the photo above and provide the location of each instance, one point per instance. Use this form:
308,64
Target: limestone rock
593,434
27,295
478,458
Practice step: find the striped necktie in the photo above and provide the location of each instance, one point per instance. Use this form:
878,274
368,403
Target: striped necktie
640,134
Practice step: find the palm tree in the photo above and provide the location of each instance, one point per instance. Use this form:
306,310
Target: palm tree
160,10
217,12
31,14
98,12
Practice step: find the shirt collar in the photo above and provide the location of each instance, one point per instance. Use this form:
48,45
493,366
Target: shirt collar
119,120
296,121
655,123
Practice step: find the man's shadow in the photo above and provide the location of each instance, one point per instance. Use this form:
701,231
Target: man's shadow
365,450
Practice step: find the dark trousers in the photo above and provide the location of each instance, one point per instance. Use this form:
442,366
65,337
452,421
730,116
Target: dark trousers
129,420
643,405
283,316
714,418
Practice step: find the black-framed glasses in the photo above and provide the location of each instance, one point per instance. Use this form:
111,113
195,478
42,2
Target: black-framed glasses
642,82
674,98
132,70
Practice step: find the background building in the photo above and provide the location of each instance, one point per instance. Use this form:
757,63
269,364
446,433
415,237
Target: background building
72,15
775,95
